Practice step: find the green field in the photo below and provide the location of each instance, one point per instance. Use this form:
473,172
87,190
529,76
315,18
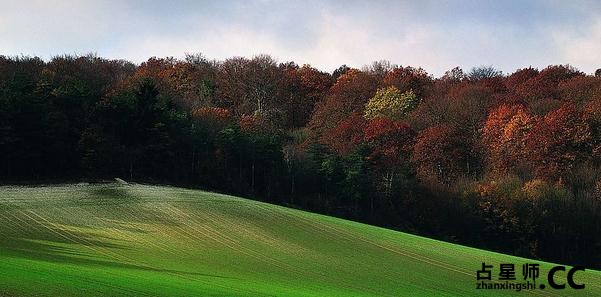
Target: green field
137,240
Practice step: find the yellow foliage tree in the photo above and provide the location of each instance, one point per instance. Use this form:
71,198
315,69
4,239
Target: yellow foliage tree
390,103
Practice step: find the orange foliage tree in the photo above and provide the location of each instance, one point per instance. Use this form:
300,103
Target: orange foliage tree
504,137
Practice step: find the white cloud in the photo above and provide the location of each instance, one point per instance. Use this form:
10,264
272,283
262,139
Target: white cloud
583,49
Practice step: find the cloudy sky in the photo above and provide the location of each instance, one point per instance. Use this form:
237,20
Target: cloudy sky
436,35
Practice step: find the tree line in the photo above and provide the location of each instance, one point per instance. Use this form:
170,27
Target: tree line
504,162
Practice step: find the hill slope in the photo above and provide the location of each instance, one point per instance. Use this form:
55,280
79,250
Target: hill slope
112,240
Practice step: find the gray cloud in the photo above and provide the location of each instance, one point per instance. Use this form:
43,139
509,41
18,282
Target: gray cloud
436,35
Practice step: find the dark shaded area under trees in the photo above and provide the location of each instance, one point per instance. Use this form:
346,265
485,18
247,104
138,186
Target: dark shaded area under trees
510,163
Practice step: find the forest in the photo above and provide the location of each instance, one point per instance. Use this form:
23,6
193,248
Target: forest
506,162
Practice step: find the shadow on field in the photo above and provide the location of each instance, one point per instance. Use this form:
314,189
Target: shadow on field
25,234
110,194
18,228
30,247
131,208
24,248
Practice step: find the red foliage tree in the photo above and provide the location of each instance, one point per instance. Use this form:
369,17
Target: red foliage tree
463,105
439,154
559,142
158,70
541,92
391,140
592,115
513,81
391,143
193,81
579,89
349,94
303,88
346,136
259,123
407,79
213,116
246,86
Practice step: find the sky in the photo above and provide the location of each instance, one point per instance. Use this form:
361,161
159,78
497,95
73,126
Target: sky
435,35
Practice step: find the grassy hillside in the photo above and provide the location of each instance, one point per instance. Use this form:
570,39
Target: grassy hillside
112,240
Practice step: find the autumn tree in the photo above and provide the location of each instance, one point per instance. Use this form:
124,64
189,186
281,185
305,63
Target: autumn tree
440,154
347,135
246,86
541,92
560,141
158,70
390,103
407,79
579,89
513,83
454,75
303,87
519,77
379,69
391,143
349,94
504,136
592,115
463,105
215,118
193,81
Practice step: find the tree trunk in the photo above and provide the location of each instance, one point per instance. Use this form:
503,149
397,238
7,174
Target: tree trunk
131,168
292,189
193,165
252,177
